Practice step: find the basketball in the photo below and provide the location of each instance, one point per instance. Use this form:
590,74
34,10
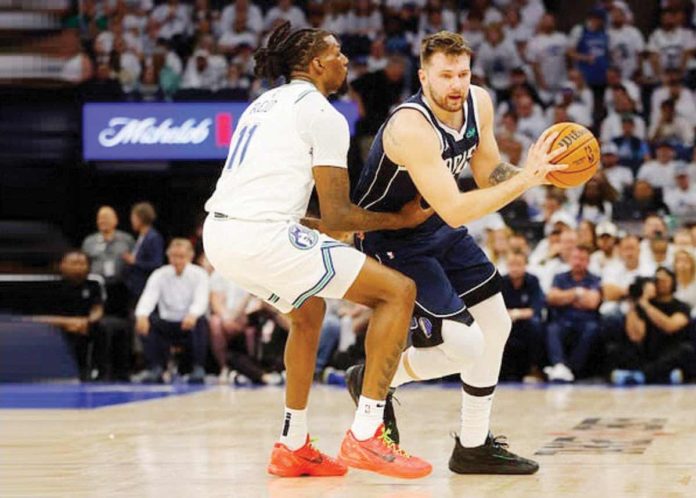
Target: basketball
582,155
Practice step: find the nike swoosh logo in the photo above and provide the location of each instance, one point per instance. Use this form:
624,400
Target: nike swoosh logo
511,459
387,458
380,406
316,460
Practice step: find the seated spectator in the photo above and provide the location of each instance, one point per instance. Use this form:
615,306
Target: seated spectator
524,299
656,346
681,199
77,309
497,247
682,241
643,202
557,259
673,89
573,324
497,58
614,80
654,227
575,110
179,291
624,109
619,275
284,10
685,273
587,236
237,34
632,149
364,19
515,30
531,121
558,221
619,177
667,126
228,319
597,198
251,12
512,144
200,73
146,255
606,233
173,19
670,45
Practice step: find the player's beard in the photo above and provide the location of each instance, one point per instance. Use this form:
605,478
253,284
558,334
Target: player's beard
442,102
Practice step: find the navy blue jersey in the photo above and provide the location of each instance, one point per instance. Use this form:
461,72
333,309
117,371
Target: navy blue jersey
385,186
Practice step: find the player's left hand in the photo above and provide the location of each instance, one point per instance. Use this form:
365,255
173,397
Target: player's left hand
413,214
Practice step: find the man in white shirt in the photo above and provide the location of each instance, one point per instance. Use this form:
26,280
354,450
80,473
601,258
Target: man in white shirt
285,11
620,177
252,15
670,45
606,247
681,199
625,43
547,53
618,276
660,171
179,291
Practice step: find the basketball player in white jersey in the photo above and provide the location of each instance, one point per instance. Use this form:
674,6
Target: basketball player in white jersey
288,140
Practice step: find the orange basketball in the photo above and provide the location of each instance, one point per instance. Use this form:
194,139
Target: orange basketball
581,155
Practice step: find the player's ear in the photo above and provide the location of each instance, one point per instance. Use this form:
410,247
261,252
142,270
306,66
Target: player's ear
421,76
318,66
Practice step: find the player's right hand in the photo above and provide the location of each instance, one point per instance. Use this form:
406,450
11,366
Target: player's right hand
539,160
412,213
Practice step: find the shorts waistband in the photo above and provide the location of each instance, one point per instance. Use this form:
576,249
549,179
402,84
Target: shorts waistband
223,217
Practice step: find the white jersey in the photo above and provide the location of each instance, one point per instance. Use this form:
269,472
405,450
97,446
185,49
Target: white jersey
277,141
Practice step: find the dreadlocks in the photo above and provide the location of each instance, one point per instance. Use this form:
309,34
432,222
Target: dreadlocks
288,51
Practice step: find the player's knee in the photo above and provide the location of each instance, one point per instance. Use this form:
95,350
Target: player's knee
310,316
462,341
215,323
398,290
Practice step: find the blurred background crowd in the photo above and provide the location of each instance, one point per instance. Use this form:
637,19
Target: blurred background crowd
600,280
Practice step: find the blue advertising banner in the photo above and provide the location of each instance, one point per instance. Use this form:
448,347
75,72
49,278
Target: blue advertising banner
166,131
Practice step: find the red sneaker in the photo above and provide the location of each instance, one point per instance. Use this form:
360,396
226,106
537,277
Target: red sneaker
305,461
382,455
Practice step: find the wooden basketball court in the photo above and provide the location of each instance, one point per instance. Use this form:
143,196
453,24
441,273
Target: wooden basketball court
591,441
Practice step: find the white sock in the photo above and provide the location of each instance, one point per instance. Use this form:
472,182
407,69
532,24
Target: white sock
475,419
368,417
294,433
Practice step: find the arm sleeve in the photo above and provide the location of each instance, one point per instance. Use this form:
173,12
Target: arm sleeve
325,130
200,297
150,296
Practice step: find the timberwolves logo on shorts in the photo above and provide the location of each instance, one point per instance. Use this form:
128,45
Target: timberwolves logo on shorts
302,237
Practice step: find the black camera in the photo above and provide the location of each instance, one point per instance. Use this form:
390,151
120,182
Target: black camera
635,290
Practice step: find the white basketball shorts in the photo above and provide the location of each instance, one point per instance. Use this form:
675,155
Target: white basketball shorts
283,263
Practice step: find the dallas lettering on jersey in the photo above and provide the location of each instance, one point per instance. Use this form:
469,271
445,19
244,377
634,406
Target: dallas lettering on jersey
123,130
457,163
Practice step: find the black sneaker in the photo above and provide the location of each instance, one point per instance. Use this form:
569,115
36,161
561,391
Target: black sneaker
490,458
354,382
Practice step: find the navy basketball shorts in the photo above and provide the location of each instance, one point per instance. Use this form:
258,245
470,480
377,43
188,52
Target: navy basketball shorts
451,273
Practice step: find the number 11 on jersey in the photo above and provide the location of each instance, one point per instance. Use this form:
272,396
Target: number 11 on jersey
239,145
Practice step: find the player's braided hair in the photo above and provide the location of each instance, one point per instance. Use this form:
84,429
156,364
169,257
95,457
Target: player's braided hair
288,51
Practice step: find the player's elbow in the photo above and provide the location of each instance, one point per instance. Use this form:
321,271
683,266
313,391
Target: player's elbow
453,218
335,219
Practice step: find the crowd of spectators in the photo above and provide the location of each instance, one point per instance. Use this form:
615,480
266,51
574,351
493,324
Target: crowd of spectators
600,280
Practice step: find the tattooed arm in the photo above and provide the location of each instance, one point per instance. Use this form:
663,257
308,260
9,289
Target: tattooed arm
410,140
502,172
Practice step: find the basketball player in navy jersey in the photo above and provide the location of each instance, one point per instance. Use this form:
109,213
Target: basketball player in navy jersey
460,323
